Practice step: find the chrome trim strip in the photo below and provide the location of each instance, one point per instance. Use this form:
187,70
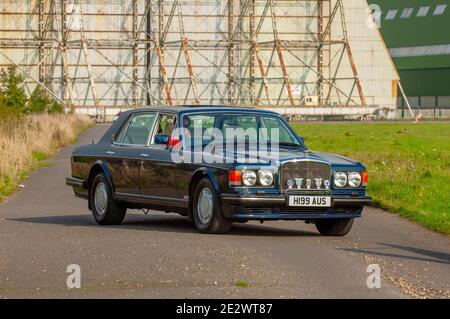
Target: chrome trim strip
275,200
156,200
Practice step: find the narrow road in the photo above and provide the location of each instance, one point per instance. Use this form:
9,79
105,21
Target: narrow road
44,228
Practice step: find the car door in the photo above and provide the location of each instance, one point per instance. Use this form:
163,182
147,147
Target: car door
158,173
125,152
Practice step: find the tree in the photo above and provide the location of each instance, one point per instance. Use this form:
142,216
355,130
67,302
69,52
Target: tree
15,99
3,110
55,107
38,102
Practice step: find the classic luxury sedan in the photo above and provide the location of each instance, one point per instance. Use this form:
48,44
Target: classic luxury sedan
216,165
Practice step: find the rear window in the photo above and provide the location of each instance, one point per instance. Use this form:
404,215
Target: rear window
137,130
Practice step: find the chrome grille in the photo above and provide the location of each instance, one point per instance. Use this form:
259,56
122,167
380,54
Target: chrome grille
300,172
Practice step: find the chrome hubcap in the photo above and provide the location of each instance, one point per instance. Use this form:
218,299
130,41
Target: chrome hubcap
205,205
101,198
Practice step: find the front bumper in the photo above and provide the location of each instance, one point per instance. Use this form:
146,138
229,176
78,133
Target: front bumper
274,207
257,201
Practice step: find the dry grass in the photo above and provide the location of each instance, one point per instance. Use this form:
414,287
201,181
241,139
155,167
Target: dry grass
25,142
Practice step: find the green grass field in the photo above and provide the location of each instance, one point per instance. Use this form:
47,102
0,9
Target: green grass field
408,164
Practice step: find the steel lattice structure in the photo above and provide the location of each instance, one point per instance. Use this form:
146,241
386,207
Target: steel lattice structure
102,55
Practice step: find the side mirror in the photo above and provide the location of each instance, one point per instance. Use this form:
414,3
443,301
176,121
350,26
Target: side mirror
161,139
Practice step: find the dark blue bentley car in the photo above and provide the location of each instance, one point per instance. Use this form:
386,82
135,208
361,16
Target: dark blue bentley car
216,165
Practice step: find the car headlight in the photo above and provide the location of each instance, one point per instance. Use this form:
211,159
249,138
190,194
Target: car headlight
354,179
340,179
249,178
265,177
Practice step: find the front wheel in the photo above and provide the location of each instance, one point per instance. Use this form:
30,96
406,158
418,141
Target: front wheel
334,227
206,212
105,210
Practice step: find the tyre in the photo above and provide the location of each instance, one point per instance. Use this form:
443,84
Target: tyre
334,227
105,210
206,210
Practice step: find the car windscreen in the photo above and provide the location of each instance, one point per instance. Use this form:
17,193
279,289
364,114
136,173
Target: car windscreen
238,128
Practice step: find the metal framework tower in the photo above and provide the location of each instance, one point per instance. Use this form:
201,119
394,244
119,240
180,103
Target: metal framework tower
102,55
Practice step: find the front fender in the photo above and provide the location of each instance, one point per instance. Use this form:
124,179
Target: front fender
100,166
208,172
196,177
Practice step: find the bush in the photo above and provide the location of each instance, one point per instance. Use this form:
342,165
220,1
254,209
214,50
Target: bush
14,102
38,102
3,110
55,107
14,99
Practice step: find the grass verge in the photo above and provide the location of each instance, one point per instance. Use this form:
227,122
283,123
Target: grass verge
242,283
408,165
26,142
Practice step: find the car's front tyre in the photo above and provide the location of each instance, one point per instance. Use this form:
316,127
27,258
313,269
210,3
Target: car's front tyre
105,210
334,227
206,210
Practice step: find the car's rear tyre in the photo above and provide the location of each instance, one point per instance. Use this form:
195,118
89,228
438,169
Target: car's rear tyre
105,210
206,210
334,227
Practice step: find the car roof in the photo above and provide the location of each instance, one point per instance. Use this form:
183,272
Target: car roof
201,109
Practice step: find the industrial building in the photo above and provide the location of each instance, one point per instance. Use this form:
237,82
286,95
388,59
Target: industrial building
416,32
301,58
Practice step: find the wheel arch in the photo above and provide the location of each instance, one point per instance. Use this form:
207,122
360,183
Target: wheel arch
99,167
198,175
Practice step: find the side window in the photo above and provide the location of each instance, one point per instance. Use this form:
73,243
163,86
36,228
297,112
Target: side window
166,124
119,137
137,130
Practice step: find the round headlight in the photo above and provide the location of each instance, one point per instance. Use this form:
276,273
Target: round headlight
265,177
249,178
354,179
340,179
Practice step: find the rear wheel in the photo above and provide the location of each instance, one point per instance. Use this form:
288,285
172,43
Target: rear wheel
206,212
105,210
334,227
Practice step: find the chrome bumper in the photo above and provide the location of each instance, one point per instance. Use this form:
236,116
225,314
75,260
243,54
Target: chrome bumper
76,182
280,200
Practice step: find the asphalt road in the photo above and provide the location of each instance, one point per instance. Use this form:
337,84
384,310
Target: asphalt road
44,228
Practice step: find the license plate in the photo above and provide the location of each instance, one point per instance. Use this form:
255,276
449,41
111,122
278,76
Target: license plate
310,201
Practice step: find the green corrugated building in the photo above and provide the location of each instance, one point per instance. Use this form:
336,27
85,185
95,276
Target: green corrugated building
417,33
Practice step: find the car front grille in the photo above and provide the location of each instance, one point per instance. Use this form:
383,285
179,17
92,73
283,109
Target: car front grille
305,175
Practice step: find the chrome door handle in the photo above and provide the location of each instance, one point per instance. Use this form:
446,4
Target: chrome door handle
145,155
110,152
